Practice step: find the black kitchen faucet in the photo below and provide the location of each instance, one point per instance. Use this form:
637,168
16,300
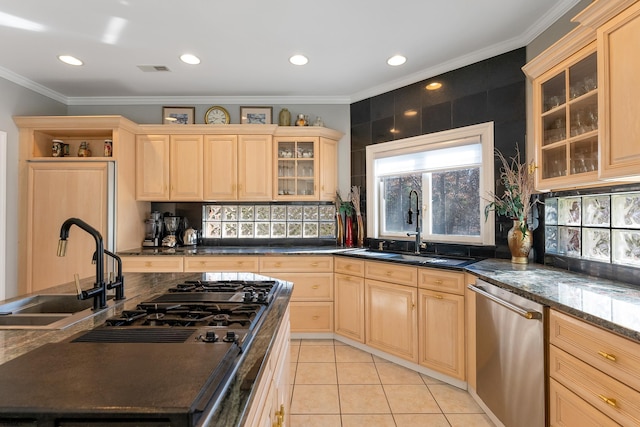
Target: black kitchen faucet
99,290
410,219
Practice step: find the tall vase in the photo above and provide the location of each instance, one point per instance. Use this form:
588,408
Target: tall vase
360,231
519,244
339,230
348,232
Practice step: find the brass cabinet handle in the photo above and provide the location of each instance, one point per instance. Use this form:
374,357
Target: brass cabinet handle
607,356
314,264
279,417
438,297
315,317
438,282
315,287
608,401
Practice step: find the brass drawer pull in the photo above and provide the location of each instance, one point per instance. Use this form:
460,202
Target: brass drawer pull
607,356
438,296
608,401
315,317
439,282
315,287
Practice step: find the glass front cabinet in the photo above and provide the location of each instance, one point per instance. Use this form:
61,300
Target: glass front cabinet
566,122
297,170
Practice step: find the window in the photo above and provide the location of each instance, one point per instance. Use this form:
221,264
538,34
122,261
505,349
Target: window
451,172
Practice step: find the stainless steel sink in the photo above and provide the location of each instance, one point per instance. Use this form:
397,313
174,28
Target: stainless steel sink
416,259
48,311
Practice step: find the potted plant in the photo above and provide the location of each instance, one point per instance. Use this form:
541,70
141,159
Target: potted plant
515,203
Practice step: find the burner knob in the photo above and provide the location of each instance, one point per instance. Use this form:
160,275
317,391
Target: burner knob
262,296
230,337
210,336
248,296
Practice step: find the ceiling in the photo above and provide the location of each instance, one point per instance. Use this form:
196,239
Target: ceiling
245,45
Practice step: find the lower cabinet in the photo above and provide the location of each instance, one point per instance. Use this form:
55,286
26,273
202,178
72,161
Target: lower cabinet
349,298
312,297
152,264
391,318
441,332
594,375
195,264
271,401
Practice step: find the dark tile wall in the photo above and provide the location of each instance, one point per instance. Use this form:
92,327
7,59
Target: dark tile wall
490,90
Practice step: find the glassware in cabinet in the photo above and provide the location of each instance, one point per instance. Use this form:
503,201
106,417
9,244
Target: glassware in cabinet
296,174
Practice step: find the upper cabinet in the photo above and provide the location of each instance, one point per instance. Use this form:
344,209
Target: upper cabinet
254,167
585,91
566,122
619,80
305,163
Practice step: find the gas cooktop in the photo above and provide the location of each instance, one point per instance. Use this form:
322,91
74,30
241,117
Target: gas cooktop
167,360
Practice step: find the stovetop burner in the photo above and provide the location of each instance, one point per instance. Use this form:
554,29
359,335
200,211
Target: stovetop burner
222,285
188,315
248,291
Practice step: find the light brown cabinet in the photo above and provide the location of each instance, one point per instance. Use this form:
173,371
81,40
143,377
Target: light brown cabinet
598,370
220,167
54,189
250,264
254,167
152,264
391,318
585,91
272,393
349,298
566,122
169,167
619,83
312,299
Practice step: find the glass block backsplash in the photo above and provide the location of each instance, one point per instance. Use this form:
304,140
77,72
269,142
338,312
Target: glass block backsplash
225,221
602,227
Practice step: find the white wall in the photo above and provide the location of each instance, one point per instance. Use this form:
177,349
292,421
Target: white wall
3,209
17,101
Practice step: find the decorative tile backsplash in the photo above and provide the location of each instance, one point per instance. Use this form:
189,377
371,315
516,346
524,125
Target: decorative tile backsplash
309,220
603,227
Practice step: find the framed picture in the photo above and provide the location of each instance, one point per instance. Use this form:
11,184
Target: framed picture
255,115
178,115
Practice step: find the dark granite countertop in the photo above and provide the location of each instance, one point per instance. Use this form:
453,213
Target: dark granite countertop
143,286
234,250
611,305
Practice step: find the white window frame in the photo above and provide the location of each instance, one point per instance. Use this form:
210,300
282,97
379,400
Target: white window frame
437,140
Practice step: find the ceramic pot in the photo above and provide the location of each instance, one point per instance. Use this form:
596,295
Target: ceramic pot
284,118
519,244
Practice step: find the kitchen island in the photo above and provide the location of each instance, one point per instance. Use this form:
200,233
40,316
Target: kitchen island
239,394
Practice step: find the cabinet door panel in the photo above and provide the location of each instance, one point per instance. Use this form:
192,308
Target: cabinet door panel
349,306
618,46
254,167
328,168
152,167
220,167
58,192
441,332
185,171
391,318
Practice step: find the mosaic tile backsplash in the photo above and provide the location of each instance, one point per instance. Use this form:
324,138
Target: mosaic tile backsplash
603,227
268,221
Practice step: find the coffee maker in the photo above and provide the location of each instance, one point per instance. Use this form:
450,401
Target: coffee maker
153,230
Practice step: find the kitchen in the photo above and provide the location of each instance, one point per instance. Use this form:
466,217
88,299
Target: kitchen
358,122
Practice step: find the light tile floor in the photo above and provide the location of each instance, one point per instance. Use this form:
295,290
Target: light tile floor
336,385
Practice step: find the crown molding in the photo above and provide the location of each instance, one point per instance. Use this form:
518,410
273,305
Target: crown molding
31,85
177,100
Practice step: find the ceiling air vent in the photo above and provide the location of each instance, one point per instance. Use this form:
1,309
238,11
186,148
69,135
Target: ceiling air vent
153,68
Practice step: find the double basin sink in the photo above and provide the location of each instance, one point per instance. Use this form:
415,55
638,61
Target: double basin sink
48,311
424,260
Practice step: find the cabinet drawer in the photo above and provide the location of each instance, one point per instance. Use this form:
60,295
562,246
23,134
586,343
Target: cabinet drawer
311,316
354,267
440,280
388,272
612,354
221,263
152,264
568,410
309,286
296,264
611,397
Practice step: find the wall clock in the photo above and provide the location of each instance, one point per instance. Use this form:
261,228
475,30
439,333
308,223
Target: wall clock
217,115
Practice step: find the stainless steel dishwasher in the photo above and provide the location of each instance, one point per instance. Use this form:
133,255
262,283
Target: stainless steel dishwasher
510,356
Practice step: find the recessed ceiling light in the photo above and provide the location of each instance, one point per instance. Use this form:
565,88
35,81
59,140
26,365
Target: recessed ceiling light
410,113
396,60
190,59
434,86
298,60
71,60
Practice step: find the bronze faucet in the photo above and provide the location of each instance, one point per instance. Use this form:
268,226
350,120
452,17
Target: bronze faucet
410,219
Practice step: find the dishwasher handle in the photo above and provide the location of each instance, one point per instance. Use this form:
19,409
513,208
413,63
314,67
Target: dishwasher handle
527,314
